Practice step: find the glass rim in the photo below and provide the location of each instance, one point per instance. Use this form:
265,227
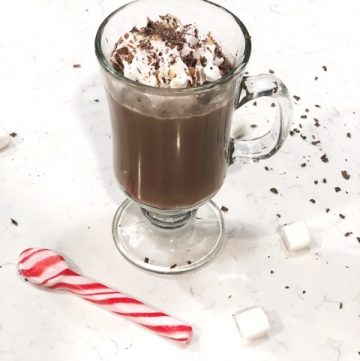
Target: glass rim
171,91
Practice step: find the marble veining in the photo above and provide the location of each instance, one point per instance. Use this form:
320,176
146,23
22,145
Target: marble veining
56,183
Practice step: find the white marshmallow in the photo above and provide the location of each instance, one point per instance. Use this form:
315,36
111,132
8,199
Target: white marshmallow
296,236
5,140
252,323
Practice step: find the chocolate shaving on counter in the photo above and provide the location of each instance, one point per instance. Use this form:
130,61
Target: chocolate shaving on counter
324,67
324,180
348,234
327,210
13,134
15,223
146,259
348,135
224,209
337,189
345,174
324,158
76,66
297,98
173,266
273,105
312,200
341,216
271,71
274,190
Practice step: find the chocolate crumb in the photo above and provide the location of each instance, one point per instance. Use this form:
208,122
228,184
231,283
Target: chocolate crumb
274,190
337,189
324,180
229,297
324,67
146,259
307,110
188,262
96,100
316,78
345,174
303,292
317,124
266,168
253,126
358,239
303,116
76,66
287,287
303,165
278,215
271,272
25,279
303,136
348,135
327,210
340,305
324,158
317,105
291,133
15,223
297,98
341,216
255,104
348,234
315,142
273,105
312,200
316,181
13,134
203,60
224,209
173,266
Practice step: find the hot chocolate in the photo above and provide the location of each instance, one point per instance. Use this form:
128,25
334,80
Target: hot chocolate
170,154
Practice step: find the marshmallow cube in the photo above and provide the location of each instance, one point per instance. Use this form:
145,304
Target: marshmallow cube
296,236
252,323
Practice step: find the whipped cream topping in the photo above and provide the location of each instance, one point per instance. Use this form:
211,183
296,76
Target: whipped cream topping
167,54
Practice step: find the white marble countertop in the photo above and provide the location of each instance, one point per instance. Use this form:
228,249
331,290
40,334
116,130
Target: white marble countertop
56,181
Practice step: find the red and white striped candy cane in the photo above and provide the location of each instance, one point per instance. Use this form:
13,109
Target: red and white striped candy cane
45,268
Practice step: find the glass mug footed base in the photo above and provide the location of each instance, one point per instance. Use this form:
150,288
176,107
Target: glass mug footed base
170,242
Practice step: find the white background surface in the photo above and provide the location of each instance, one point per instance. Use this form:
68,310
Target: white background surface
56,181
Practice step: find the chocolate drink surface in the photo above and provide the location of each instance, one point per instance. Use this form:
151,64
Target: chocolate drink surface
170,163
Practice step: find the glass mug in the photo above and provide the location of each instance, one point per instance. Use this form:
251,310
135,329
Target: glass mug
172,147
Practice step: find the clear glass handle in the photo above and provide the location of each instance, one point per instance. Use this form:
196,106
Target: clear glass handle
253,87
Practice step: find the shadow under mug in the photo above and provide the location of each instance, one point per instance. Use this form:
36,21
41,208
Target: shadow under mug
172,147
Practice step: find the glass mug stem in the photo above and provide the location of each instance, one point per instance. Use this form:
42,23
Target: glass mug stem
168,220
